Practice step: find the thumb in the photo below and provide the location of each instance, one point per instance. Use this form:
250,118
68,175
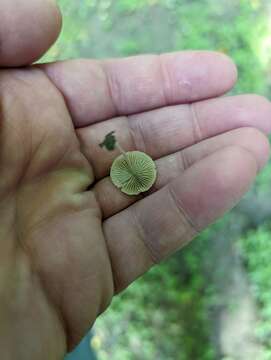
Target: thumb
27,30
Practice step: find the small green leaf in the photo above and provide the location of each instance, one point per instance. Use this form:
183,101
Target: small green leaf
109,142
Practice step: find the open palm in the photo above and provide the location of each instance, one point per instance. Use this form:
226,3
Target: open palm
69,239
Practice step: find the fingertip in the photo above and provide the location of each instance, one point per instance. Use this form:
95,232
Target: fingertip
232,70
256,142
27,30
261,106
214,185
227,71
198,75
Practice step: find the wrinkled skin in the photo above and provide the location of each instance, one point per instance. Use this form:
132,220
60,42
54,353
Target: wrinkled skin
69,239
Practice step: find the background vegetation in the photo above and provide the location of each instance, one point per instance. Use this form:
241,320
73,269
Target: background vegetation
212,300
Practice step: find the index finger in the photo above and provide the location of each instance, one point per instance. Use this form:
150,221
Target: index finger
98,90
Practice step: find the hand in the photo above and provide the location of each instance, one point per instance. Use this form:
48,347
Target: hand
69,240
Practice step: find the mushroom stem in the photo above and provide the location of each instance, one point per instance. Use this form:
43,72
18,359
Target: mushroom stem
119,147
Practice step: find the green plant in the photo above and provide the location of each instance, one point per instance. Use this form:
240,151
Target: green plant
255,248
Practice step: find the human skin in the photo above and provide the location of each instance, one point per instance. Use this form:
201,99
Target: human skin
69,240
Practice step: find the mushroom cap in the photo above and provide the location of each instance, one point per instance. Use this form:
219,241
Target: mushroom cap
134,173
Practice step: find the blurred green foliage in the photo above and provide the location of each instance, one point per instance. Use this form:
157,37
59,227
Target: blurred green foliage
166,314
162,316
256,249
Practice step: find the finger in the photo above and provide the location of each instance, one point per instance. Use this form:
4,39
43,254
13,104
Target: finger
112,200
27,29
158,225
96,91
168,130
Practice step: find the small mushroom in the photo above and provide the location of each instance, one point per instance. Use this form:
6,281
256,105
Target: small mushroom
133,172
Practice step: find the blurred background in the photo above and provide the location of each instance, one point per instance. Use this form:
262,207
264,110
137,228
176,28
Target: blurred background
212,300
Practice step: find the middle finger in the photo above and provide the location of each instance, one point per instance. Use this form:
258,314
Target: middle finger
165,131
